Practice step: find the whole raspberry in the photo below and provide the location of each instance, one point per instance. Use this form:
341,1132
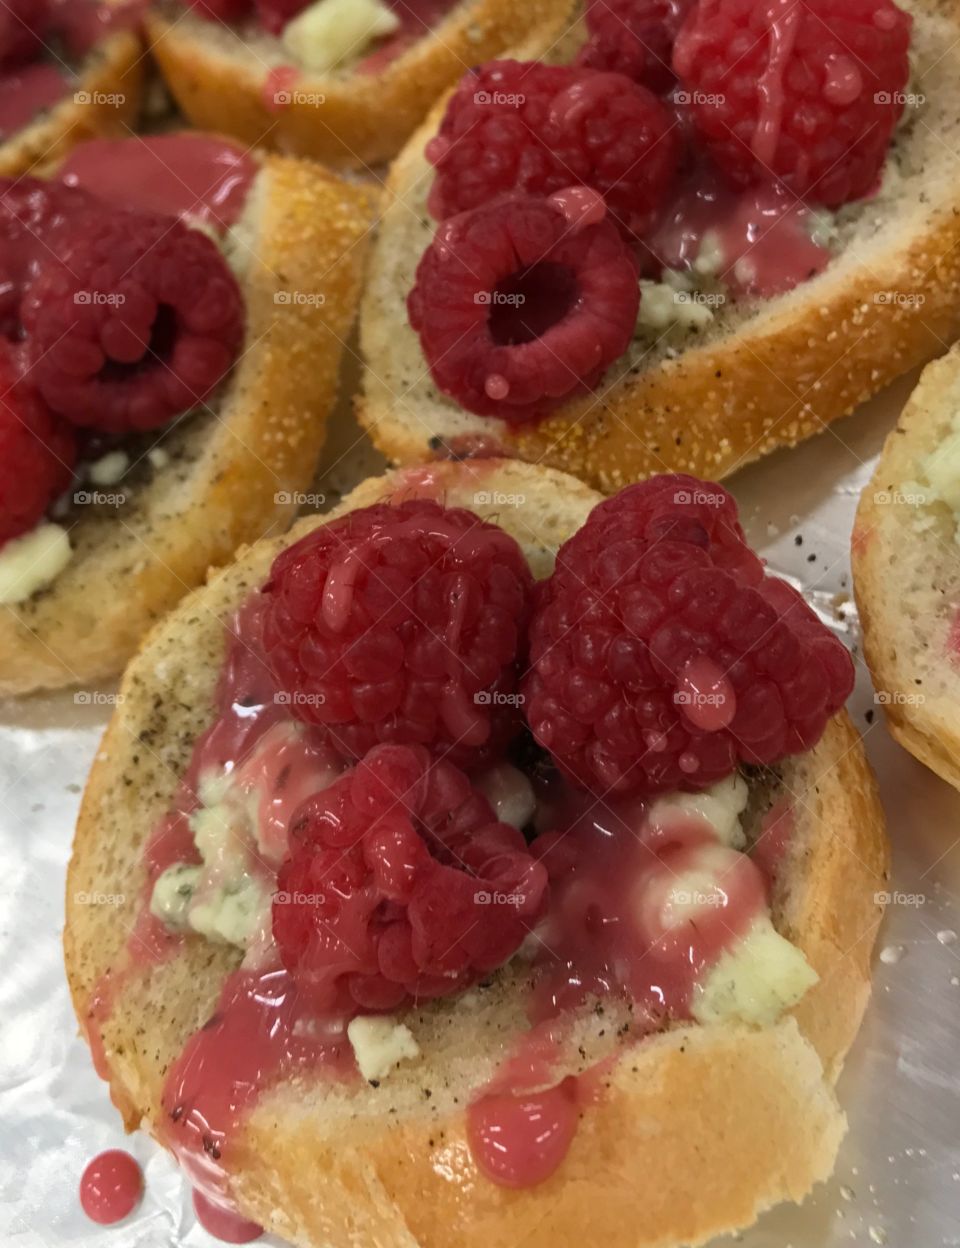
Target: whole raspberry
634,37
517,309
662,657
134,322
37,453
24,24
275,14
524,126
221,10
30,210
401,623
401,885
807,93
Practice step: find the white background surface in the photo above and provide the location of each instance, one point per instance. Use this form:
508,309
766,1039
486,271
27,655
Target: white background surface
898,1178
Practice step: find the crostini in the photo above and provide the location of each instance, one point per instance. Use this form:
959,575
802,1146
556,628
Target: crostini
906,572
69,70
343,81
499,865
790,219
174,315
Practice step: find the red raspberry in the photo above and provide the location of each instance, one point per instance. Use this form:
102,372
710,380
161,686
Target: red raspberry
809,94
634,37
275,14
24,24
30,210
662,657
401,885
524,126
401,623
516,310
135,322
221,10
37,452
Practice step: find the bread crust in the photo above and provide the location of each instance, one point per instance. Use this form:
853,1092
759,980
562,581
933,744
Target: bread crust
780,375
363,119
237,466
907,607
115,69
697,1129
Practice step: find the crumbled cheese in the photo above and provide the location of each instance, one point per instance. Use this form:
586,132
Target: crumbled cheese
674,301
109,469
510,794
379,1044
32,562
755,981
332,32
941,471
172,894
721,806
158,457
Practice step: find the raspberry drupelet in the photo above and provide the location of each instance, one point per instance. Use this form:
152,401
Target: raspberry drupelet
401,623
401,886
130,319
808,94
662,657
524,302
635,38
523,126
37,453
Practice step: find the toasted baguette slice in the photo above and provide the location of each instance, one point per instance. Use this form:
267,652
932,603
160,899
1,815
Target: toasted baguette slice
234,467
105,101
698,1128
760,376
906,573
221,80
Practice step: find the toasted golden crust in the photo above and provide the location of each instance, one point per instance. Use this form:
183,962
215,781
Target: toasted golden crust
106,102
696,1130
349,120
235,467
908,603
757,380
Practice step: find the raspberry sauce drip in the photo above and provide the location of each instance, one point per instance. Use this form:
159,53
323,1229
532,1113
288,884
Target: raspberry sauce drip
27,92
251,1041
223,1223
111,1187
195,176
763,235
520,1139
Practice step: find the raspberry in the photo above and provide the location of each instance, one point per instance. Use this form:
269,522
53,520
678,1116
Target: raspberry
386,894
401,623
23,26
275,14
135,322
662,657
523,126
635,38
516,310
30,210
37,453
808,94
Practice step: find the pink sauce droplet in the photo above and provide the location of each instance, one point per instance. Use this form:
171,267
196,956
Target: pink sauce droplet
705,695
276,94
224,1223
844,82
111,1187
581,205
520,1140
497,387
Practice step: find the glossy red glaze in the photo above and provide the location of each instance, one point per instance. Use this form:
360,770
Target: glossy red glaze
763,234
189,175
29,91
224,1223
111,1187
